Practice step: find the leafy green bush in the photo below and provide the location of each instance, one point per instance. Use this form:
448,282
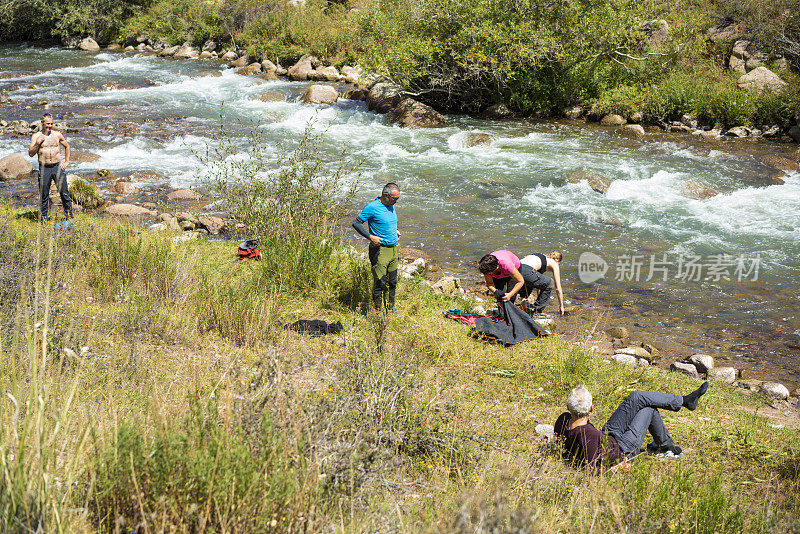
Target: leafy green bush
177,21
288,32
86,194
39,19
712,96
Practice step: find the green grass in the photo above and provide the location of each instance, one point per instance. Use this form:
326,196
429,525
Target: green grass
192,409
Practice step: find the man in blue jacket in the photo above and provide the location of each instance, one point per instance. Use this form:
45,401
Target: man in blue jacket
383,236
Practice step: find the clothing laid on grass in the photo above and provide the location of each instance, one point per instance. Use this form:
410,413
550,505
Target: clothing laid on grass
466,318
514,326
384,261
534,281
47,175
507,261
315,327
382,221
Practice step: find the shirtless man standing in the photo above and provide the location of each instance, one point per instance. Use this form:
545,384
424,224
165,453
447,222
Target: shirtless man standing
46,145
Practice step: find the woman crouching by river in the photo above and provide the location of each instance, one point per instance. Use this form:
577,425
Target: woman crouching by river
507,276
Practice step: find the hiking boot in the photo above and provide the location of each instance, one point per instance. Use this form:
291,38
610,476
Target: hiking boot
671,452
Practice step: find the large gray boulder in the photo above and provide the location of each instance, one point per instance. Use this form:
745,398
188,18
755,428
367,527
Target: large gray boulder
775,389
684,368
382,97
613,119
633,130
761,79
250,70
325,74
268,66
448,286
703,362
351,74
723,374
303,69
637,352
599,183
240,62
230,55
89,44
169,51
187,51
625,359
410,113
319,94
182,195
14,167
724,32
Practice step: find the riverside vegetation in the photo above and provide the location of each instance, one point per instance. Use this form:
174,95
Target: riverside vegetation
535,56
148,385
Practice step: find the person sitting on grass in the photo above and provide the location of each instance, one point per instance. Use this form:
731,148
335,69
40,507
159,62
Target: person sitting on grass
623,434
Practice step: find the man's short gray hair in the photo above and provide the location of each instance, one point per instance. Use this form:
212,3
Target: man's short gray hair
579,401
390,189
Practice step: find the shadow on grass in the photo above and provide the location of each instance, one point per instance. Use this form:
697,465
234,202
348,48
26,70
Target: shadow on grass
28,215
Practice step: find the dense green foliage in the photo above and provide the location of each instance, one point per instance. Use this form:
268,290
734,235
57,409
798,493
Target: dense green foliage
536,56
44,19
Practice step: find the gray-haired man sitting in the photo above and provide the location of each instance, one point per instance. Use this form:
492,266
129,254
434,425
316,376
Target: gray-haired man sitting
623,434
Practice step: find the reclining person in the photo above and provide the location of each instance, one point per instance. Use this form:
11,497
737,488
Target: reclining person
623,434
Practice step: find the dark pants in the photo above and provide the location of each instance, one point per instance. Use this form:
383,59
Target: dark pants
534,281
48,174
384,261
637,415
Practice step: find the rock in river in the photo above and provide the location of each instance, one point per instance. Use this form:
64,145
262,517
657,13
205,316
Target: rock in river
129,210
382,97
410,113
182,194
319,94
14,167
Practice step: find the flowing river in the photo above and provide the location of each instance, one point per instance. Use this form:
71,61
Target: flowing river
684,270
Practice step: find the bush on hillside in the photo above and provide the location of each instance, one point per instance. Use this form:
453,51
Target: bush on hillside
42,19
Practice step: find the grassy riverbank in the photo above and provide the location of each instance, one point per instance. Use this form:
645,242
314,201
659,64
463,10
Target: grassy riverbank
181,402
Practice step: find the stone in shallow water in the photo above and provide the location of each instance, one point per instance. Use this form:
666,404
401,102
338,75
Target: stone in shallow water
182,194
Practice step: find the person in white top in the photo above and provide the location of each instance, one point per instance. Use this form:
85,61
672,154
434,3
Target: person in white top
551,262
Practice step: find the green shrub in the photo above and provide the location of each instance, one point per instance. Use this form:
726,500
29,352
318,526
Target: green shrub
86,194
39,19
287,32
177,21
199,473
